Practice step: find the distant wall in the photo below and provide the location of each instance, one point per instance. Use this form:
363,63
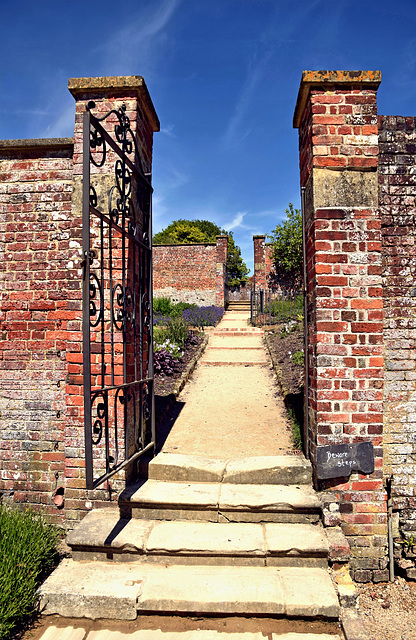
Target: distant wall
263,264
240,294
194,273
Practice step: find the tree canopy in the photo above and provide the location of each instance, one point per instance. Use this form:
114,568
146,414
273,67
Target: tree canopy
199,231
287,250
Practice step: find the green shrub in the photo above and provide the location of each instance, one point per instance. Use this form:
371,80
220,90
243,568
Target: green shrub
28,550
163,306
159,335
298,358
177,330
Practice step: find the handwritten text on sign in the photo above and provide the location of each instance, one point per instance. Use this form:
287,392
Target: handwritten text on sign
339,460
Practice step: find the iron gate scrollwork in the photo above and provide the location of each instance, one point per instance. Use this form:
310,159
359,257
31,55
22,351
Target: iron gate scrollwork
117,297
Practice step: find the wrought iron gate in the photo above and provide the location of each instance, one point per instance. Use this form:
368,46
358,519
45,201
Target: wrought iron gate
117,297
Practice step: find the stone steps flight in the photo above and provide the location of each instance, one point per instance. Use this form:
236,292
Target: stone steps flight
203,537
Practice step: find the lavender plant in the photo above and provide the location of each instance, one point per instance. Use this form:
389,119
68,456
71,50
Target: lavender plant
203,316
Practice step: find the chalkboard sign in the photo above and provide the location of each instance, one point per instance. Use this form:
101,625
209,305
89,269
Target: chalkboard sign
339,460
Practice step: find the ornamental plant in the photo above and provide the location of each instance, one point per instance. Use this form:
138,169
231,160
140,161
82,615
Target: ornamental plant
203,316
28,551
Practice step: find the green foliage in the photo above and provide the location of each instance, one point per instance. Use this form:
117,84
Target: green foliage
171,336
298,358
286,309
296,429
163,306
177,330
200,231
237,270
287,251
28,550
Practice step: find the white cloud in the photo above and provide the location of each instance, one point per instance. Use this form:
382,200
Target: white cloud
62,126
234,134
167,130
141,41
235,222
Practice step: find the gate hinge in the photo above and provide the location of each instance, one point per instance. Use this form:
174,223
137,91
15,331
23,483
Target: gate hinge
89,255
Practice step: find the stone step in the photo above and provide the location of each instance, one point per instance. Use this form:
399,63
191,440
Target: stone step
103,535
71,633
122,590
243,341
227,363
156,500
231,331
172,467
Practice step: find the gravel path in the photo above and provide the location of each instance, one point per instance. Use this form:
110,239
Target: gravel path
229,409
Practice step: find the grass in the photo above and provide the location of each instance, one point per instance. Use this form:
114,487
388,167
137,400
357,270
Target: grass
28,551
296,429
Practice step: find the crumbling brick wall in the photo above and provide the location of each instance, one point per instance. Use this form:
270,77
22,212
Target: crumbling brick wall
194,273
397,193
38,263
41,384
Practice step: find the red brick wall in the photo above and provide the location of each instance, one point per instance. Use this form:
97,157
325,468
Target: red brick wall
39,284
192,273
397,204
42,430
260,272
337,134
263,263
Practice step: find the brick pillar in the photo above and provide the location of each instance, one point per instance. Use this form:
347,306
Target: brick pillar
221,271
260,262
336,114
107,93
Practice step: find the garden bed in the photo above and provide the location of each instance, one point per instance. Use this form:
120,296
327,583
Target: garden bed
282,346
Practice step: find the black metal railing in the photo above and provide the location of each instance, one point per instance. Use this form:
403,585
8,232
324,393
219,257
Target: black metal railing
275,307
117,298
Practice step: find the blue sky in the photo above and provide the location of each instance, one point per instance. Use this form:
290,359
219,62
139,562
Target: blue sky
223,75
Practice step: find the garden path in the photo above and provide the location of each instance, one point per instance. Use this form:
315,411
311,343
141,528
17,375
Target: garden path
231,407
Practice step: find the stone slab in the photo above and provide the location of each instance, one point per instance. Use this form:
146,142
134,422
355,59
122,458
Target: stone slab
309,593
173,494
250,497
156,500
268,470
158,634
209,590
92,590
65,633
243,341
255,355
120,590
175,467
353,625
297,540
284,469
302,636
104,528
206,538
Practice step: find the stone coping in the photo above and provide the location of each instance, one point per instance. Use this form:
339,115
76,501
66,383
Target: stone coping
311,79
79,87
188,244
32,144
